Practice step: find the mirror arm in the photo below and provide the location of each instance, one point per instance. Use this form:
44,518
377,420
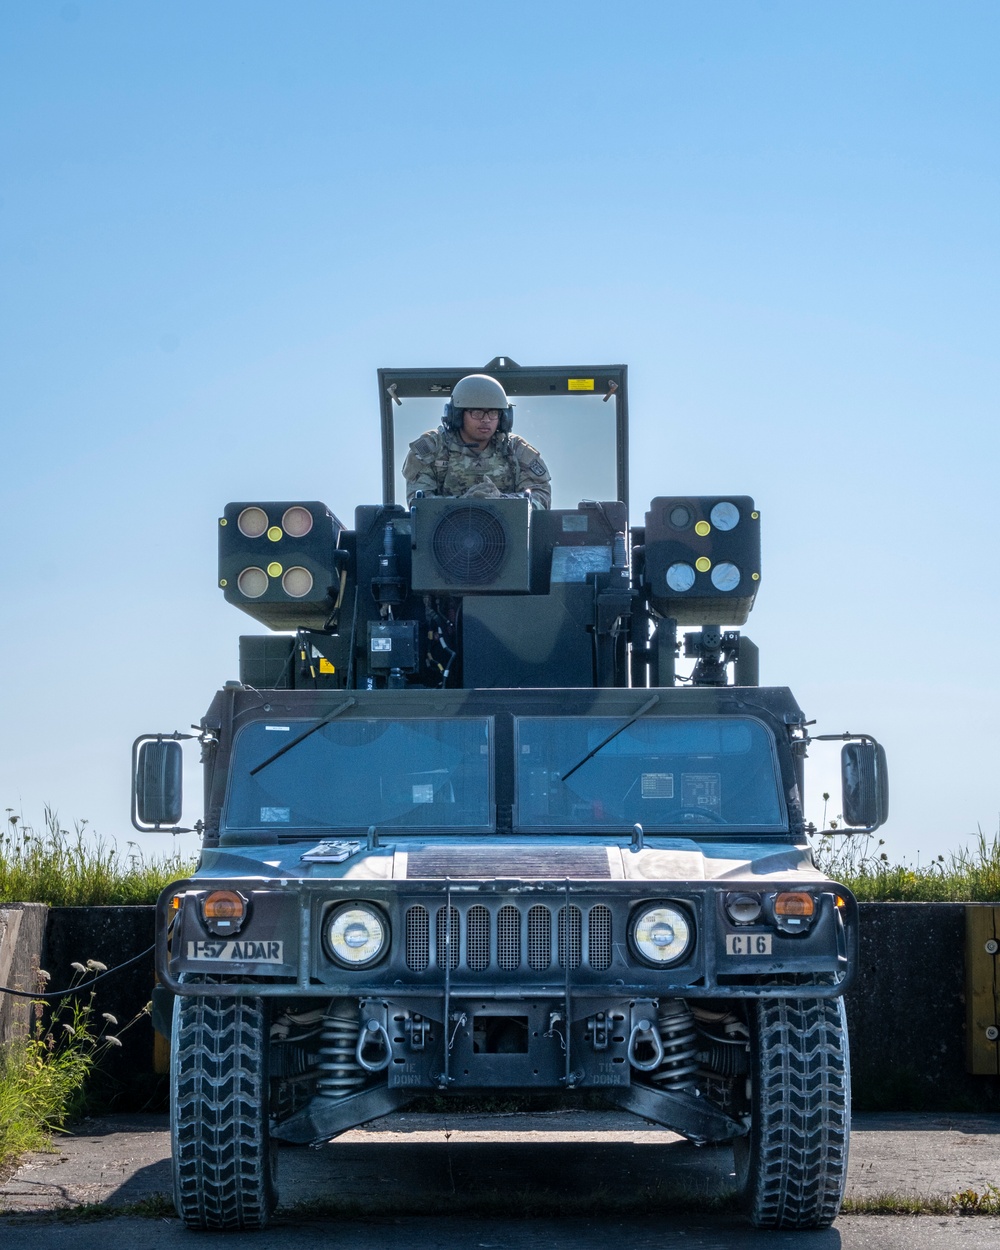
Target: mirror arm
848,831
844,737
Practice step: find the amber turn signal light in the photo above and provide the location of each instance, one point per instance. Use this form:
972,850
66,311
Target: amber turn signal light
794,903
224,911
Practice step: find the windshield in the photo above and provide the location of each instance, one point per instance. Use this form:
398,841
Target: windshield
419,774
575,435
666,775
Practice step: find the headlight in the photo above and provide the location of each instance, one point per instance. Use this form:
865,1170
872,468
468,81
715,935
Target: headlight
744,908
357,935
661,935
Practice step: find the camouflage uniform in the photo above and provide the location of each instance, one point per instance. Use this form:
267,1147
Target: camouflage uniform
439,463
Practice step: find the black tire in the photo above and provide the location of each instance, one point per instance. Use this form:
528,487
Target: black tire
792,1166
223,1158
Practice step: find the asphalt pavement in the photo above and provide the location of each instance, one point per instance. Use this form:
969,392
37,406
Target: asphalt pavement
460,1180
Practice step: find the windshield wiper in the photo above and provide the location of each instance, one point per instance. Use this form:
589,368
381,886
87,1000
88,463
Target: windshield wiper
341,707
611,736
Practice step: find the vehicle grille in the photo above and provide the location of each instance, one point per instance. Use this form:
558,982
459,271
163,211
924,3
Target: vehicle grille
509,938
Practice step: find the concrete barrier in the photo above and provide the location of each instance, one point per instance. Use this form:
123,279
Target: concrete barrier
22,940
907,1010
126,1080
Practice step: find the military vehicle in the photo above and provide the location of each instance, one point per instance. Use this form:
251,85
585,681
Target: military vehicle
468,826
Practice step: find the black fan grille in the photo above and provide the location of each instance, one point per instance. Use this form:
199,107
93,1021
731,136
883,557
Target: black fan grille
470,545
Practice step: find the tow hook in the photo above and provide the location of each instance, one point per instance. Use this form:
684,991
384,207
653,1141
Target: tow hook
645,1033
373,1037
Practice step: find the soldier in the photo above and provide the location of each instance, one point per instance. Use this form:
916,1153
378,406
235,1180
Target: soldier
473,454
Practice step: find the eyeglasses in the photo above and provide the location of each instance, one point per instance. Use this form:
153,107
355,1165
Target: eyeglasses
477,414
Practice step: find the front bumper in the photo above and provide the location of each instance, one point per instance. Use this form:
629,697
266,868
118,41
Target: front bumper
503,941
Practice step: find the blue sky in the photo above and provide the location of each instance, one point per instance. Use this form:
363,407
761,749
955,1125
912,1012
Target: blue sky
219,218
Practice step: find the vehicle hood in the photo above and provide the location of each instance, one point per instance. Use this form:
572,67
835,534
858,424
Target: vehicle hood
557,859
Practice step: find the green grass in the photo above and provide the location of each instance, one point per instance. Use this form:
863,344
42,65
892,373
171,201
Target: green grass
43,1076
153,1207
968,1202
961,877
888,1203
38,1088
77,869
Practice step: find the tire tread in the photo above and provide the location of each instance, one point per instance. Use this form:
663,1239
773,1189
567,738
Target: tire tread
797,1166
222,1155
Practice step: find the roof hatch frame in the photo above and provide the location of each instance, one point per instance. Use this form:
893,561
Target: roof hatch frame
395,385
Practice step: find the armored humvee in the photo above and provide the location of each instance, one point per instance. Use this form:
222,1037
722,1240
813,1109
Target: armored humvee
469,827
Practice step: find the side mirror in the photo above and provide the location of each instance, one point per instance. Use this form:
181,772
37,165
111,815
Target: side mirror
865,783
157,786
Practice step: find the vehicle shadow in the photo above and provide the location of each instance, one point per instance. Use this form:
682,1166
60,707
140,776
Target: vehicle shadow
557,1178
572,1195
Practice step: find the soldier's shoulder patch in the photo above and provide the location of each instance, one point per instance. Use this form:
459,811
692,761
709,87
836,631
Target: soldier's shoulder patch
425,445
528,455
537,467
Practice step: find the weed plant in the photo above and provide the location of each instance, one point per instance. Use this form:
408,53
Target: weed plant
43,1076
965,876
77,869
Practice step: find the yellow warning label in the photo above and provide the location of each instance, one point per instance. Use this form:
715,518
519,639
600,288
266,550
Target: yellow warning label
580,384
325,666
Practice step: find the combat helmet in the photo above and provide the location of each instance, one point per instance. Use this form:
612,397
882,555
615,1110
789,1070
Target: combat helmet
478,390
